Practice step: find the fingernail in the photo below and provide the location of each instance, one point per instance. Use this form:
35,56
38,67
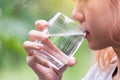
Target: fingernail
41,22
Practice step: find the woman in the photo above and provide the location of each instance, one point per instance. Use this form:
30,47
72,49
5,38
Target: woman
100,19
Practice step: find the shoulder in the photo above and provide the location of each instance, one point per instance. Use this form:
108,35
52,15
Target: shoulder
95,73
92,73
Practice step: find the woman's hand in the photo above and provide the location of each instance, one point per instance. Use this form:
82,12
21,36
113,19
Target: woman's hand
40,66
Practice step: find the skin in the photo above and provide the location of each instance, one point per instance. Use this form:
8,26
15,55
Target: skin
40,66
94,20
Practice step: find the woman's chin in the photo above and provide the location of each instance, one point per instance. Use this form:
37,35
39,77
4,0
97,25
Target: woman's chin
95,47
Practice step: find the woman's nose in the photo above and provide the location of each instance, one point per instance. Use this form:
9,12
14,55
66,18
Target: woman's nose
78,15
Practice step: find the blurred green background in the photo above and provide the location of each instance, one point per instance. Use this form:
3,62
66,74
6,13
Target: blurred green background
17,18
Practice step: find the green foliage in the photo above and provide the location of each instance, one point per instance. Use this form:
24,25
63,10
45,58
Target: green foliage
11,40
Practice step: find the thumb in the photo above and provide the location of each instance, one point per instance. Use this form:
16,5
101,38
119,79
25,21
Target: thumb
71,62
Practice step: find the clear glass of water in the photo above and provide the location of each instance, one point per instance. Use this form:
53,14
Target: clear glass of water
65,37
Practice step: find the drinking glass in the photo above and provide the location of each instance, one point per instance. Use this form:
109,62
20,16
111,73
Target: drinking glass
65,37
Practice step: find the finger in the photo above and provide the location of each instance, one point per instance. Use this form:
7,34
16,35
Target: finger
30,46
71,62
39,69
49,44
36,35
35,66
41,25
61,70
39,60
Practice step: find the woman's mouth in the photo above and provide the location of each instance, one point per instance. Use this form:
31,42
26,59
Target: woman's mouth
87,34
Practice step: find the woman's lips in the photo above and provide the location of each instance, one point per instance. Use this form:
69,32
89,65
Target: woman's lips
87,34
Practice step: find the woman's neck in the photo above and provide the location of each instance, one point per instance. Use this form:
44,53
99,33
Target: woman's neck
117,76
